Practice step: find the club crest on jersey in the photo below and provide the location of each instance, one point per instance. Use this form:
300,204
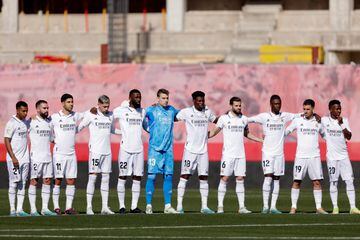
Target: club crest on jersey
37,126
301,124
60,120
268,120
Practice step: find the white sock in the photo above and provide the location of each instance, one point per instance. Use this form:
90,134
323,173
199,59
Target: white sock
221,193
70,194
55,196
204,192
32,198
240,192
20,196
104,189
318,198
266,191
350,191
135,189
181,193
275,193
45,196
12,195
334,193
121,192
294,197
90,189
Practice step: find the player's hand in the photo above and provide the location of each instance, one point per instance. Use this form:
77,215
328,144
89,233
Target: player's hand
15,163
93,110
317,117
33,117
340,120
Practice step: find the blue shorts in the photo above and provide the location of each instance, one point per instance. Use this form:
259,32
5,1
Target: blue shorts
160,161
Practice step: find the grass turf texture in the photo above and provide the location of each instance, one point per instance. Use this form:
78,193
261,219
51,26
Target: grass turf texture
192,224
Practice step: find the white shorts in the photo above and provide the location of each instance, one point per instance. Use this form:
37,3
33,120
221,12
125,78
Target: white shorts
340,167
18,174
41,170
131,164
65,166
273,164
99,163
191,161
230,165
310,165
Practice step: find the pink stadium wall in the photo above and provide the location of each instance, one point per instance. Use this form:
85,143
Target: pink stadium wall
253,83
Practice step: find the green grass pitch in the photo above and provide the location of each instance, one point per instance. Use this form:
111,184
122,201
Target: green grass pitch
192,224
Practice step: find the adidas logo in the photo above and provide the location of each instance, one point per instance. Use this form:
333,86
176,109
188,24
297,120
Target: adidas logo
37,126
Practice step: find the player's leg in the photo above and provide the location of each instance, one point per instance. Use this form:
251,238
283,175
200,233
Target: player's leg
154,159
138,172
125,161
268,169
316,175
70,175
14,178
347,175
299,171
334,172
279,167
35,171
47,175
93,164
203,171
59,167
226,170
168,178
187,169
240,173
24,173
105,169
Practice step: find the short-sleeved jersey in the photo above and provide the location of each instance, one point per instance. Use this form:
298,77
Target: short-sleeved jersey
273,129
17,130
131,122
336,148
40,137
308,131
64,128
161,123
233,128
100,127
196,123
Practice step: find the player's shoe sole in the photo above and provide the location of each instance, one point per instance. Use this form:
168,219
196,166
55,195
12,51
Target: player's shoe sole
207,211
335,211
275,211
170,210
243,210
22,214
321,211
354,211
292,211
47,212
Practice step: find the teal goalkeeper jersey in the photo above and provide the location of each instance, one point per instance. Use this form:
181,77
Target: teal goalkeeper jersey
161,123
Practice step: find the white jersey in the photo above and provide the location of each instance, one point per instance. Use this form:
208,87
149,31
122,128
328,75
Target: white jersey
273,129
131,121
40,137
100,127
64,128
233,131
336,148
196,123
16,130
307,136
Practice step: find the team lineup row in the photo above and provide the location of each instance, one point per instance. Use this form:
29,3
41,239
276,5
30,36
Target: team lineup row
158,120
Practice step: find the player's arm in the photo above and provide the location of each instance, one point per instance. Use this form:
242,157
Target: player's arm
248,135
180,115
85,122
290,128
213,132
345,128
9,132
256,119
